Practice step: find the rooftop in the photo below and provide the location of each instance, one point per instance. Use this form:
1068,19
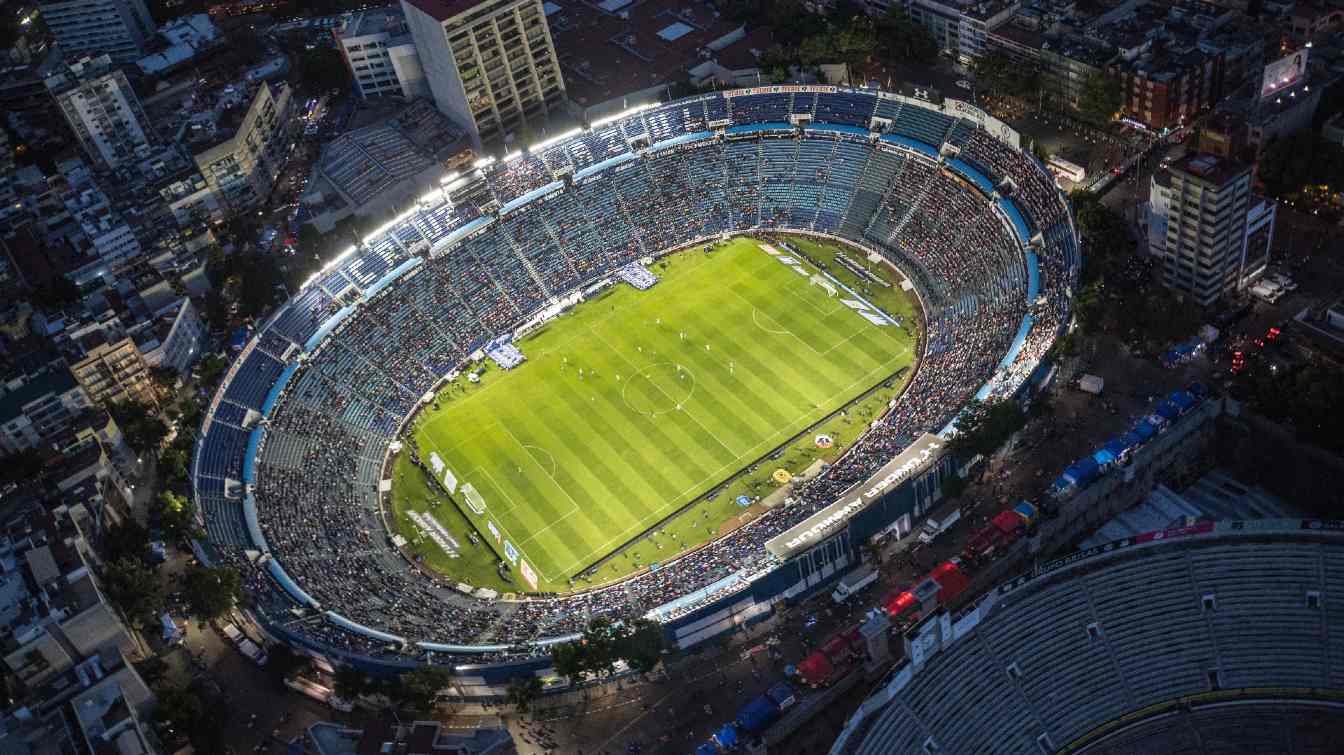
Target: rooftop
632,46
388,20
444,9
1210,168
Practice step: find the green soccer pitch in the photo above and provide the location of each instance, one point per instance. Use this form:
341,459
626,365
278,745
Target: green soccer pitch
636,406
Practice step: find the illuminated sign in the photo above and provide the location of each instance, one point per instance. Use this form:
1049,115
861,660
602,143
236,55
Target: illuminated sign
493,531
921,455
1283,73
510,552
528,574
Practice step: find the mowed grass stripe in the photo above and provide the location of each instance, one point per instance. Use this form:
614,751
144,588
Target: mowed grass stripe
617,470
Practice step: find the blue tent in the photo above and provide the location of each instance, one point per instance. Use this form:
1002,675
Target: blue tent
239,339
1168,410
757,714
1116,448
1083,471
1131,440
1183,400
726,737
782,694
1145,430
1103,458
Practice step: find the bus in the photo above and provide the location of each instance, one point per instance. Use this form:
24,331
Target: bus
1065,169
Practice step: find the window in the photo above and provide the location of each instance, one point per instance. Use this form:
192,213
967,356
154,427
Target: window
1210,602
931,747
1313,601
1014,671
1043,742
1214,682
1094,633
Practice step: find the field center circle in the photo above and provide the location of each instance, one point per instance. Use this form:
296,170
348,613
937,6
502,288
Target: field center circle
660,388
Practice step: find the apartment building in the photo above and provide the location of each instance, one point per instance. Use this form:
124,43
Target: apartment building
112,371
120,28
39,399
491,65
1211,218
102,109
240,143
379,51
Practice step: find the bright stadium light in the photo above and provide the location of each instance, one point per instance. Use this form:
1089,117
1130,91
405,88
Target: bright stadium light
514,155
482,162
542,146
600,122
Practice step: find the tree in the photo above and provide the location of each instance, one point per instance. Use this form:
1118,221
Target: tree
1100,98
143,429
193,713
641,645
128,540
135,590
902,40
419,687
523,690
321,69
212,591
567,659
350,683
999,74
165,379
210,369
178,515
984,426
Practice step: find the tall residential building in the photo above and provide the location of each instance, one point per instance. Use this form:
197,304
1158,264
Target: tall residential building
112,371
101,108
241,143
1217,234
120,28
37,401
491,65
381,55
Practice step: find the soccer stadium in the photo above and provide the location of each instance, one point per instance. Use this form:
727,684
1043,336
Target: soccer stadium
679,364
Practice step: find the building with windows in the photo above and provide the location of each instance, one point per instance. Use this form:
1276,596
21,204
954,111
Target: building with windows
120,28
491,65
240,142
1212,234
380,53
102,109
38,400
1166,87
960,27
111,371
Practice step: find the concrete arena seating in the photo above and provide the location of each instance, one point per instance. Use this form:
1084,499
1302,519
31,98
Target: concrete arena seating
1030,678
420,294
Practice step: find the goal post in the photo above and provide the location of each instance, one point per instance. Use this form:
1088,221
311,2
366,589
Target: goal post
473,498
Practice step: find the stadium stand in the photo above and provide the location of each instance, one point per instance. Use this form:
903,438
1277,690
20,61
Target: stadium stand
1102,651
407,321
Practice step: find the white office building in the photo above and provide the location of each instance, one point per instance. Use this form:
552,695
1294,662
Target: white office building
491,66
381,55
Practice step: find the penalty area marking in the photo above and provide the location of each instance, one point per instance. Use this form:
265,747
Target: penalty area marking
529,447
755,317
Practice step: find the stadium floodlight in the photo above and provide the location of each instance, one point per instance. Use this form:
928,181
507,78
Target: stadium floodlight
482,162
600,122
449,178
514,155
542,146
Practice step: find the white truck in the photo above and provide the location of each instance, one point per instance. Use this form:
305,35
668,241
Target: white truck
854,582
935,527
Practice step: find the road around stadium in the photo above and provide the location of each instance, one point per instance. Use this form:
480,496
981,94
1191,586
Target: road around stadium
641,417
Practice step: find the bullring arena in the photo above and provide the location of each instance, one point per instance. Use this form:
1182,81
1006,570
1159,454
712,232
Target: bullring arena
297,471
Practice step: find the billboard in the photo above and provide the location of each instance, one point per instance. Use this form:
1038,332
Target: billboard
528,574
449,481
1283,73
510,552
494,531
921,455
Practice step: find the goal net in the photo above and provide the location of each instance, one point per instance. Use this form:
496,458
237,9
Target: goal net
474,500
827,286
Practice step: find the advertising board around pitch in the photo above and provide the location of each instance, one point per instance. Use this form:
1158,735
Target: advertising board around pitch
921,455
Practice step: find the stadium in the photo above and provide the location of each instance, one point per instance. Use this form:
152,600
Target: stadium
740,276
1212,637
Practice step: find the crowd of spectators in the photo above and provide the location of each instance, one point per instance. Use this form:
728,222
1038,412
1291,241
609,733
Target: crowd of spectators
321,462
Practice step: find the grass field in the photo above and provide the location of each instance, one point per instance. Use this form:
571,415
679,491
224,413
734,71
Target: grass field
637,403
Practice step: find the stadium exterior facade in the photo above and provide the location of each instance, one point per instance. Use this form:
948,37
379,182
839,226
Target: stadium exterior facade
853,165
